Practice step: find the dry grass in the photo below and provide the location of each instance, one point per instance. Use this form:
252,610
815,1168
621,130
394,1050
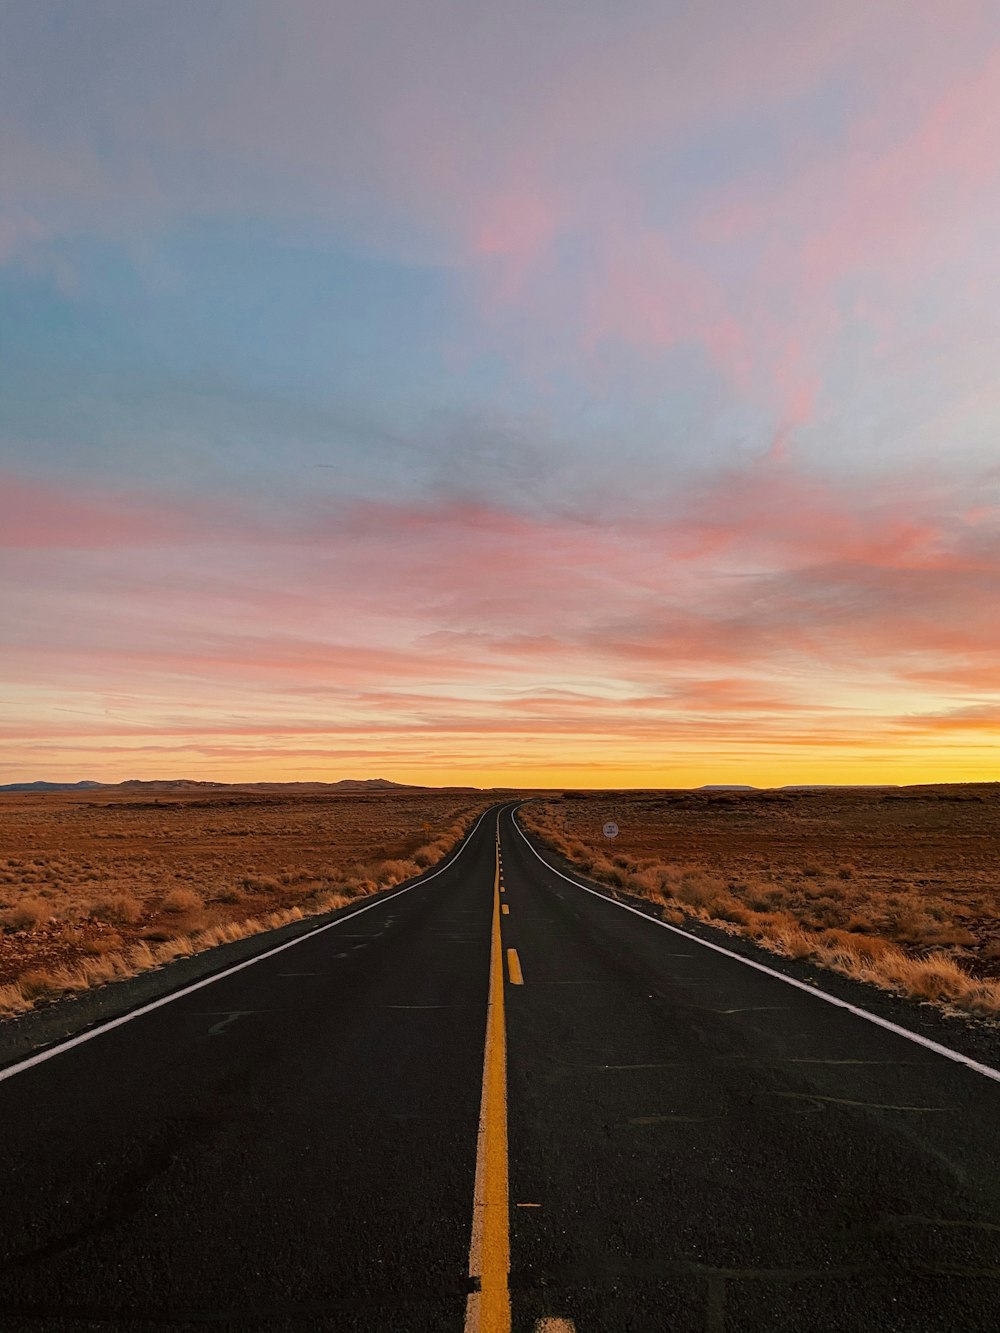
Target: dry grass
101,885
896,887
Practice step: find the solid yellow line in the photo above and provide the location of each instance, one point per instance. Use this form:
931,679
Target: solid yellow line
489,1254
514,968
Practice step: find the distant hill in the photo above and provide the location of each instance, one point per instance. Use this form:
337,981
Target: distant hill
48,786
726,786
195,784
192,784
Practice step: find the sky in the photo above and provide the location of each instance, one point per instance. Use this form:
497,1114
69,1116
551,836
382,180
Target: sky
543,393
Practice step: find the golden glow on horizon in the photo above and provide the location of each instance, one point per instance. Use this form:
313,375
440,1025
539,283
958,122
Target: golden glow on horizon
919,762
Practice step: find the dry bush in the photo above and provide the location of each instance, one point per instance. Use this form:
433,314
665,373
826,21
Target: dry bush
121,908
395,872
28,914
699,889
229,893
181,900
261,884
101,944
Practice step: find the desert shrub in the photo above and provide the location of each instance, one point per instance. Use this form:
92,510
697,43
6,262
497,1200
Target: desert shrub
181,900
178,946
698,889
229,893
261,884
158,933
39,984
728,908
120,908
870,947
649,882
395,872
796,943
28,914
101,944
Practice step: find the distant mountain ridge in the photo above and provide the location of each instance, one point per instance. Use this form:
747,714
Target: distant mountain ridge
49,786
185,784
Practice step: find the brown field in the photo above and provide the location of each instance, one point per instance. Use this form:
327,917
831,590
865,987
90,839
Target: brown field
895,886
104,883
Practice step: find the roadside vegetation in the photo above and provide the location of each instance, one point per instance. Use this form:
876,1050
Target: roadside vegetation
898,887
99,886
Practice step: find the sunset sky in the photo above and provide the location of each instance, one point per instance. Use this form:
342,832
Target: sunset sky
538,393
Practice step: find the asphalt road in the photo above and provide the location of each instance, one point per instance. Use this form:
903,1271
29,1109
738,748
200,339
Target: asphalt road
319,1141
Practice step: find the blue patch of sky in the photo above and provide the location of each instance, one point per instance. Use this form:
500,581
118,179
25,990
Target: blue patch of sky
231,353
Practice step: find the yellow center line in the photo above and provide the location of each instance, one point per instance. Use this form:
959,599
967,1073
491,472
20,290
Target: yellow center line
505,910
488,1309
514,968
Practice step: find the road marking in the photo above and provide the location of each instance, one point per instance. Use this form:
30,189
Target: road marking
505,909
514,968
555,1326
488,1309
985,1070
230,1016
122,1019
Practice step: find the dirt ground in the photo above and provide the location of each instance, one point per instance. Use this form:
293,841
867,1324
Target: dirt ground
91,874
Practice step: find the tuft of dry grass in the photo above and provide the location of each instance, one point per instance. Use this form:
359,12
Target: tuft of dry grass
28,914
915,910
120,908
181,900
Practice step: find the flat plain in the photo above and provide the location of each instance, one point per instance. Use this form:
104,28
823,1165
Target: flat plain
100,883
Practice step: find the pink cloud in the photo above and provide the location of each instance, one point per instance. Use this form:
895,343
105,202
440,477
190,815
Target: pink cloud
43,515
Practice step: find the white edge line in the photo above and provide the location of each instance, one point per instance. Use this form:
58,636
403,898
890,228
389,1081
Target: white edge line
985,1070
10,1070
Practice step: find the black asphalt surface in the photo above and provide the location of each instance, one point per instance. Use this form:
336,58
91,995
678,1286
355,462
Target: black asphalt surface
293,1146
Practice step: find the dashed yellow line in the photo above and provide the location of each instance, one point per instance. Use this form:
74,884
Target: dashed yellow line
488,1309
514,968
505,909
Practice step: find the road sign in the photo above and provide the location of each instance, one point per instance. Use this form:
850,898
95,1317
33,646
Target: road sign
611,829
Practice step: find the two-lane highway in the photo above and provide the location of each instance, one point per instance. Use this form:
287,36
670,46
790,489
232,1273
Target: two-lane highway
499,1102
